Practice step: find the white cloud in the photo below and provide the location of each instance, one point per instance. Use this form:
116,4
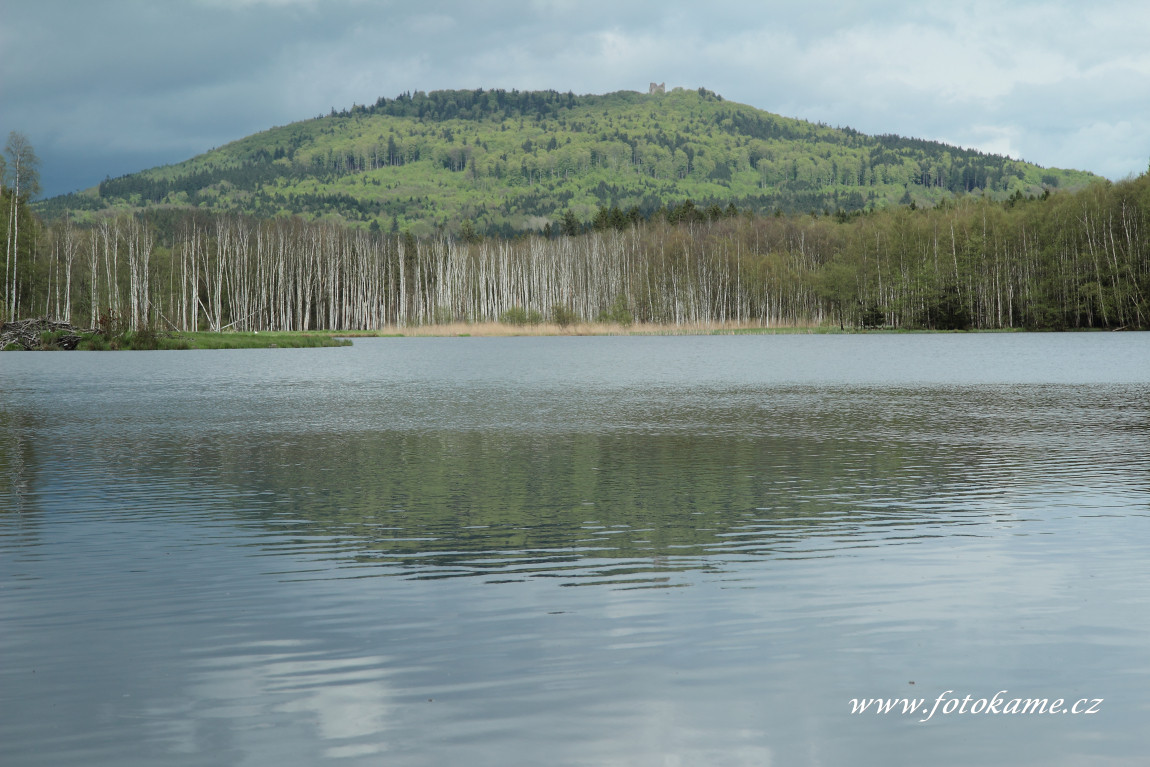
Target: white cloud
993,139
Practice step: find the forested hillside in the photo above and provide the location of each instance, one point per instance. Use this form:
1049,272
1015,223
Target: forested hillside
1057,261
506,162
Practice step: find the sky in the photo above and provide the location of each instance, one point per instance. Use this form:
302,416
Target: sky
108,87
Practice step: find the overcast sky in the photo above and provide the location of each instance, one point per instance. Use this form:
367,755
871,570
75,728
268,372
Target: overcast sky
107,87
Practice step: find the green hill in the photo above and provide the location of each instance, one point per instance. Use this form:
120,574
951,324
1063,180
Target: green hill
507,161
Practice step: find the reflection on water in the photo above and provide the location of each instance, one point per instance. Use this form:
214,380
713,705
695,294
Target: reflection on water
360,555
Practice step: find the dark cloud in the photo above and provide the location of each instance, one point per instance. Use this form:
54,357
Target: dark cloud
110,87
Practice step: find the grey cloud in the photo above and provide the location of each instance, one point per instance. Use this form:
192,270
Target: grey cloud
1056,82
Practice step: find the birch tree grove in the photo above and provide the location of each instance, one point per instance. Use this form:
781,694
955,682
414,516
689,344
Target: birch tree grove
1070,261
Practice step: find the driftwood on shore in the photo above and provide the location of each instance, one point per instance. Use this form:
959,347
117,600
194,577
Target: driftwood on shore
28,334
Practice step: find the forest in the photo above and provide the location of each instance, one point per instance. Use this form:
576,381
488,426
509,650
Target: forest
1059,260
507,161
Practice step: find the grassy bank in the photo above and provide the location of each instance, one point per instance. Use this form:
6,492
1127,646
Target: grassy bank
266,340
149,341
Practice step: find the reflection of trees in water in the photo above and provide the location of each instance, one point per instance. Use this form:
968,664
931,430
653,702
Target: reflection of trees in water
18,462
628,482
21,467
472,502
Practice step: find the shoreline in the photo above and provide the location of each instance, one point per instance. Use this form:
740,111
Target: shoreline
93,340
499,330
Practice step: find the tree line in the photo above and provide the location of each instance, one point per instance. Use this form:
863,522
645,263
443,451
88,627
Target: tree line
1063,260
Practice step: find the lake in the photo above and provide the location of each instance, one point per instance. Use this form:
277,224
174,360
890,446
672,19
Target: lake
579,551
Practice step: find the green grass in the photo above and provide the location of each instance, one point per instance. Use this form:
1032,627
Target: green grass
203,340
262,340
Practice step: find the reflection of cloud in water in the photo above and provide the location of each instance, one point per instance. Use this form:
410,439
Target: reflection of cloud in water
347,700
667,734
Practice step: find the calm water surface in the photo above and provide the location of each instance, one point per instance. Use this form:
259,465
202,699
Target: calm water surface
576,551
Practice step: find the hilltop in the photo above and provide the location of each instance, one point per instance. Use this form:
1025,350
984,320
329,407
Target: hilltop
501,162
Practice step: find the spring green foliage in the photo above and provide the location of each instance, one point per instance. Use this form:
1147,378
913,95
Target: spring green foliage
563,316
482,162
619,313
516,315
519,316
